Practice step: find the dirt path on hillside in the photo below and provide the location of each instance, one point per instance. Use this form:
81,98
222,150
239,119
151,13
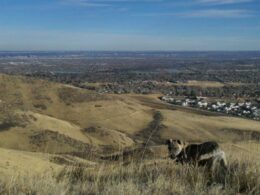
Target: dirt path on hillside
157,104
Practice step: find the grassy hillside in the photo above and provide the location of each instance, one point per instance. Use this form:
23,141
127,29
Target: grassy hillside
199,125
14,162
48,127
146,177
31,106
36,105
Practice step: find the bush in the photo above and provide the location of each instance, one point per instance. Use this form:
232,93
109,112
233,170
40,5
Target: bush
8,118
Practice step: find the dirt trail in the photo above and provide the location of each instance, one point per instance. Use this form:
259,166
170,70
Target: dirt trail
156,104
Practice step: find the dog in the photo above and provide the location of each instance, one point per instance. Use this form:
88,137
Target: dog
205,154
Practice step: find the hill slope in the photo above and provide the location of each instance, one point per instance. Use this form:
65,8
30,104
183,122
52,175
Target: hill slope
35,108
46,128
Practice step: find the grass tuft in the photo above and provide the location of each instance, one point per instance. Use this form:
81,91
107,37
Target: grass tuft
148,177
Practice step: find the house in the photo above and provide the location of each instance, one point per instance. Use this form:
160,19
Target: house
257,113
185,103
221,104
191,102
168,99
241,104
214,106
178,102
228,109
202,104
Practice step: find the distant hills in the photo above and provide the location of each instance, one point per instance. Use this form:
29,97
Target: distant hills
134,54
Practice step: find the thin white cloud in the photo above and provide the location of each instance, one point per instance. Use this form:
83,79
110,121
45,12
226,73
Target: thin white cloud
108,3
85,3
218,13
209,13
223,2
104,3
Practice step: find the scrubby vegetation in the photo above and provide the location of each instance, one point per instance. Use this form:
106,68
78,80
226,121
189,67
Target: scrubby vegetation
9,118
148,177
85,142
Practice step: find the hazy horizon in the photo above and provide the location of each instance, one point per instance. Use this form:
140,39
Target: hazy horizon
130,25
131,51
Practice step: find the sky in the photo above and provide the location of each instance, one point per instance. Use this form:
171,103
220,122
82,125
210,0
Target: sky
129,25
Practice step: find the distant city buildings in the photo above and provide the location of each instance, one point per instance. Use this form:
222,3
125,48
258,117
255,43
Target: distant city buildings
243,109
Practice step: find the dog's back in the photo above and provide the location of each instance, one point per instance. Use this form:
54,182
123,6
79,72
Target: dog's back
194,152
207,153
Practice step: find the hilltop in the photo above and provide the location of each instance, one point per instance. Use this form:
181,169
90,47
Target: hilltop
50,125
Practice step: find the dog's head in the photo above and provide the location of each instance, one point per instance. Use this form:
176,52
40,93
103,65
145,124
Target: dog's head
175,147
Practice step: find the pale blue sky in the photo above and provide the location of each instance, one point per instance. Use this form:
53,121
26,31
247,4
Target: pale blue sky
129,25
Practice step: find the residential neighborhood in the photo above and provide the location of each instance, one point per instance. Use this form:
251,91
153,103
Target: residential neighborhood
246,109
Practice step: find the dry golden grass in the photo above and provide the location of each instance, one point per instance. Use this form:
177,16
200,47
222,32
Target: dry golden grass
14,162
46,109
66,124
208,84
69,110
192,126
109,137
203,84
147,177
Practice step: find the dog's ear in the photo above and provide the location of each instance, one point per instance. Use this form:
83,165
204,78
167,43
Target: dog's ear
168,141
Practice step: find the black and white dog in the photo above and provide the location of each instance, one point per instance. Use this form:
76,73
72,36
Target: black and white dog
207,153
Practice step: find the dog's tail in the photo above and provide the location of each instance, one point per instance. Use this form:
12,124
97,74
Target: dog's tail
223,161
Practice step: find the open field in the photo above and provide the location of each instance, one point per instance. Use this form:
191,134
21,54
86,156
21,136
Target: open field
202,84
205,84
57,138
